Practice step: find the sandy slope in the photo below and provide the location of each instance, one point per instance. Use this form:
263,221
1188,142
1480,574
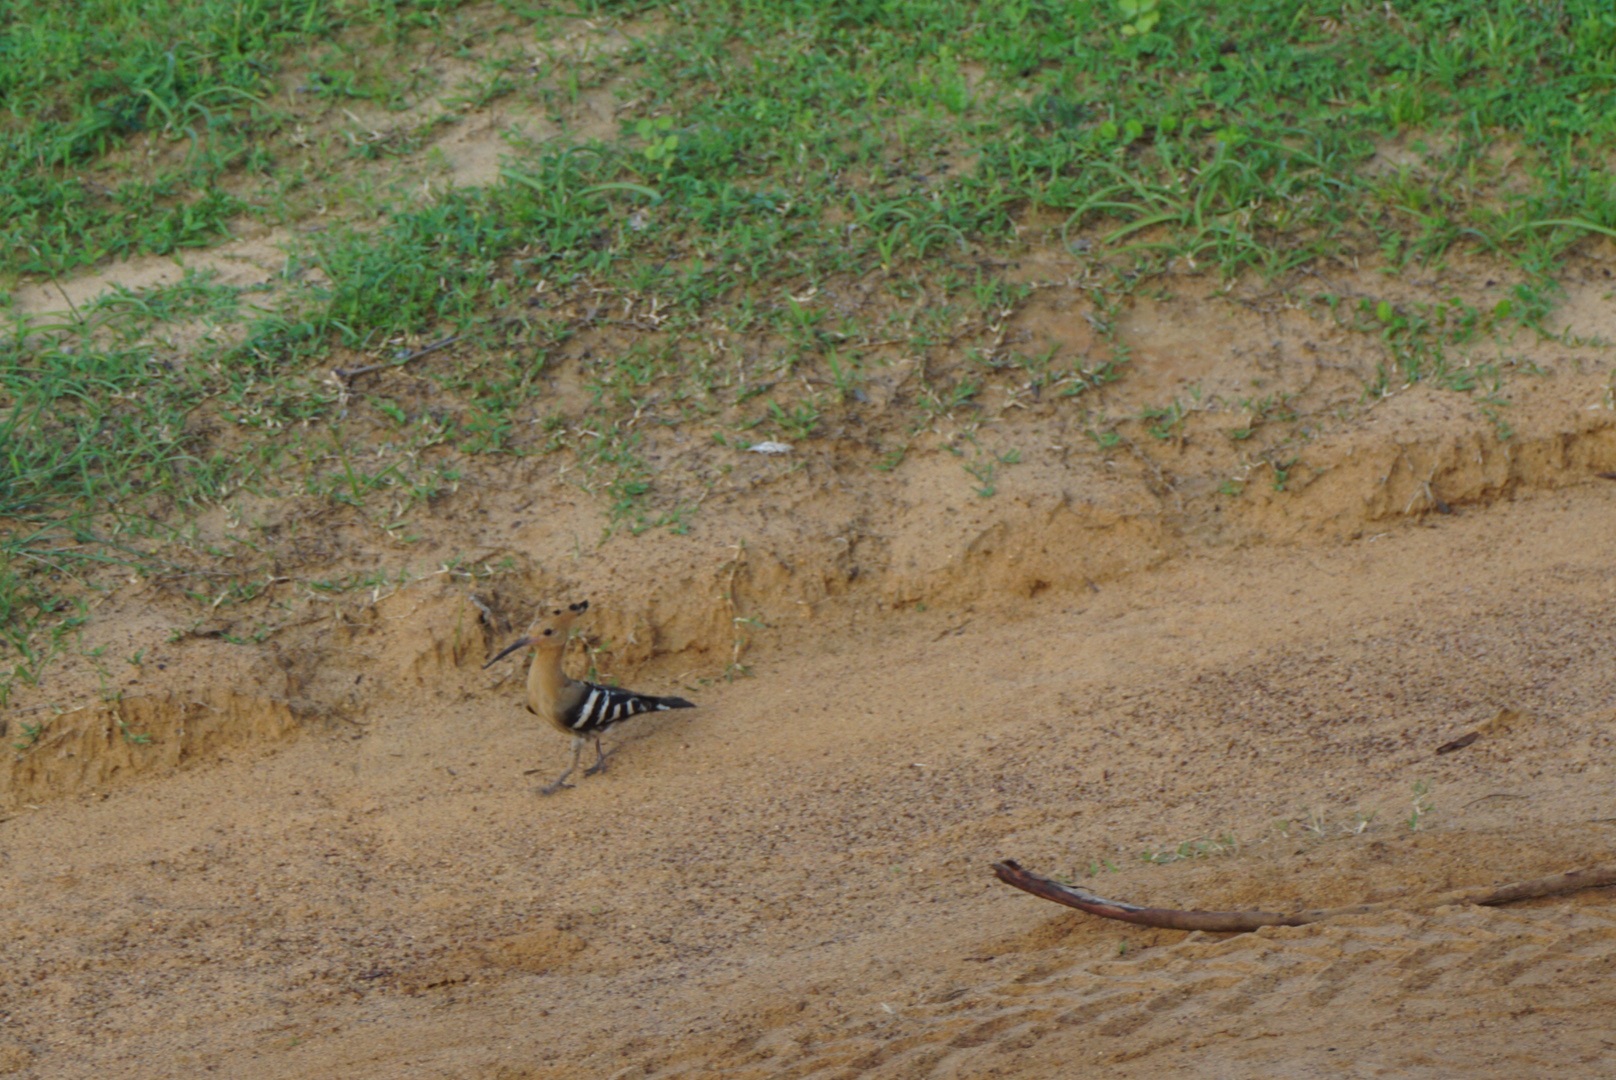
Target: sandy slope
792,881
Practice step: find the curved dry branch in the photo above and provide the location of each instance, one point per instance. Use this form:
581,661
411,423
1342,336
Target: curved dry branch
1011,873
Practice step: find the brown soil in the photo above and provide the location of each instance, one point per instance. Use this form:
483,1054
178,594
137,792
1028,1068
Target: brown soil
330,861
793,880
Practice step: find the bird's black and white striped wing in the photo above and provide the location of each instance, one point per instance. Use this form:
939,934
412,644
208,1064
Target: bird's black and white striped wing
603,706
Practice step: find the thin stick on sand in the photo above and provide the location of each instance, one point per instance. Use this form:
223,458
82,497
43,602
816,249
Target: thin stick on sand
1011,873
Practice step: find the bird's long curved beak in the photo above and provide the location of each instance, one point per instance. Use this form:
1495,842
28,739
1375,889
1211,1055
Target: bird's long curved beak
519,643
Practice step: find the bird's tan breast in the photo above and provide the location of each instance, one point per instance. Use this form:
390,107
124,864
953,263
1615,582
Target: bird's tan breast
554,708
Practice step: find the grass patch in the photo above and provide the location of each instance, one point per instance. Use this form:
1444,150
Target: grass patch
127,123
798,198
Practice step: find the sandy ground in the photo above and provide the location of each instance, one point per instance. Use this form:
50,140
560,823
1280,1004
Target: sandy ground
793,880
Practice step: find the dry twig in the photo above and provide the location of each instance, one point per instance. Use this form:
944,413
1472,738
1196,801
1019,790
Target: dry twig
347,375
1011,873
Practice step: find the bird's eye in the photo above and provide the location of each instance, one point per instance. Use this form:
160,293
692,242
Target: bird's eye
547,633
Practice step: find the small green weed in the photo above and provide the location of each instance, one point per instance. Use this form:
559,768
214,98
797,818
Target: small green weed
1421,806
1202,848
30,735
133,738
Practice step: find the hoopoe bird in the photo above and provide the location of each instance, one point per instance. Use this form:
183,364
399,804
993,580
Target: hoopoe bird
580,709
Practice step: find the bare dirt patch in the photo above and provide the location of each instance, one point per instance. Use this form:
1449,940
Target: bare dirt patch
793,879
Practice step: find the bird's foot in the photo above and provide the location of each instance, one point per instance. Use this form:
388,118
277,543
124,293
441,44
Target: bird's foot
551,789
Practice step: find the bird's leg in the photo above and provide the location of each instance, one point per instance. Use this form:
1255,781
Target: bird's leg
560,781
600,758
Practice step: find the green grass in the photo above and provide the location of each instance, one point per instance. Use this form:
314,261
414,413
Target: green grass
138,127
1208,136
769,155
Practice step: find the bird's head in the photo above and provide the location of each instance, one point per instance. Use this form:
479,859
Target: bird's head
548,632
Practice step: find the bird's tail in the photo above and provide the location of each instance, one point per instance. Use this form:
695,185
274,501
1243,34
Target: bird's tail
672,703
